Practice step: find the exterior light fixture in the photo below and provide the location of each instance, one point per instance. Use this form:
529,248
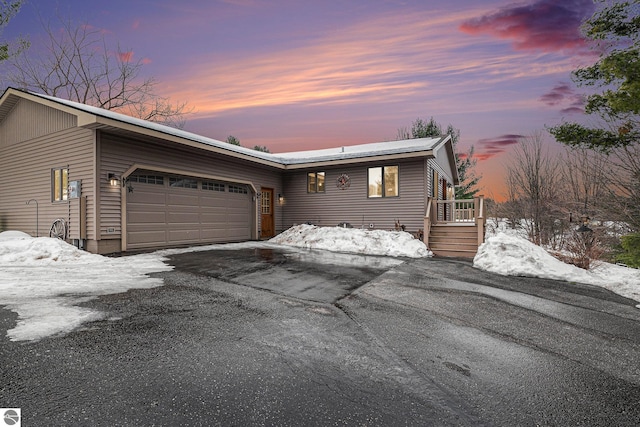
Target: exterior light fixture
280,199
113,180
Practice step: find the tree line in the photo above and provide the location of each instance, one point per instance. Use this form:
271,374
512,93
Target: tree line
598,175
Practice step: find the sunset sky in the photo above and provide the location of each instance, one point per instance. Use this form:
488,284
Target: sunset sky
297,75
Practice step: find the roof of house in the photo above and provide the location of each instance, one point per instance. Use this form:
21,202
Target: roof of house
100,118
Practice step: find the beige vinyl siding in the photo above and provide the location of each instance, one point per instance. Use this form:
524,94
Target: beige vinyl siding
352,205
433,165
443,164
28,120
119,153
25,171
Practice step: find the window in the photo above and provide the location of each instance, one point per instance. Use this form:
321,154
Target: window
213,186
238,189
435,180
183,182
265,202
315,182
383,181
60,184
147,179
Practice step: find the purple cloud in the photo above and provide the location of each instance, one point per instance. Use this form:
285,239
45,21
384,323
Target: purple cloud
557,95
572,110
547,25
491,147
563,94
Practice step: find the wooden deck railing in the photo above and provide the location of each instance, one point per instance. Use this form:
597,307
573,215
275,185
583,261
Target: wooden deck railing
455,212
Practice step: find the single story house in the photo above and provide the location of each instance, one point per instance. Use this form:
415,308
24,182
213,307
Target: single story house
114,183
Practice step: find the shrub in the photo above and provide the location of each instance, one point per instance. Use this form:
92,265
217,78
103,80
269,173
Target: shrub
631,250
583,248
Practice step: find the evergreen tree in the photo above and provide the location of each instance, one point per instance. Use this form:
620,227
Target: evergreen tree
615,31
8,9
465,162
233,140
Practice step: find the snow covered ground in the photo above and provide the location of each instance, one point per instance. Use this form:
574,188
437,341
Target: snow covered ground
43,280
510,255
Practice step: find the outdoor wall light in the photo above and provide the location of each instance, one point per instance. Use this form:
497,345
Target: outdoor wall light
113,180
280,198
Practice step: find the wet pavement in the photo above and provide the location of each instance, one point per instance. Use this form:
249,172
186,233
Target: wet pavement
319,276
269,337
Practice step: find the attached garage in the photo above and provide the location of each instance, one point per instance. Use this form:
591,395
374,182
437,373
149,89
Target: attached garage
168,210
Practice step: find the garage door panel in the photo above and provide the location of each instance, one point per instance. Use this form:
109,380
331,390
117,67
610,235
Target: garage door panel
183,217
160,216
236,212
147,197
182,199
214,234
184,236
142,239
214,218
236,234
214,201
141,217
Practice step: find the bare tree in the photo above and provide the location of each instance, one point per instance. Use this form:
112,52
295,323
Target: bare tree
76,64
534,179
623,196
586,173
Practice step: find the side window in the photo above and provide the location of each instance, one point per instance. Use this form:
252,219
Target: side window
315,182
59,184
383,182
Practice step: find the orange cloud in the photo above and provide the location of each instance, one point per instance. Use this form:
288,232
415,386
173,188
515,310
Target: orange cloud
357,64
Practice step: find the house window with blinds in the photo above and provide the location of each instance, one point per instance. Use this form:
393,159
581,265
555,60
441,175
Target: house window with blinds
383,182
59,184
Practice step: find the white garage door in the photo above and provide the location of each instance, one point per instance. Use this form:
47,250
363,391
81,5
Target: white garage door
170,211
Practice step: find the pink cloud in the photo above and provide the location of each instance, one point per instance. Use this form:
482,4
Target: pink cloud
546,25
125,56
135,24
146,61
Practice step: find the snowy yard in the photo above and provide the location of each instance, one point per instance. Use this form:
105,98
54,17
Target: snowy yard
43,279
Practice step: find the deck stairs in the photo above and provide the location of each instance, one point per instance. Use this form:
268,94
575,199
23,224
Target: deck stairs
455,228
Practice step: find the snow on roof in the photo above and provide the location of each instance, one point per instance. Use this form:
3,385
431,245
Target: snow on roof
297,157
109,114
363,150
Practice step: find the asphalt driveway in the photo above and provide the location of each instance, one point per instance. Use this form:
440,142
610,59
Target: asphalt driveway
268,337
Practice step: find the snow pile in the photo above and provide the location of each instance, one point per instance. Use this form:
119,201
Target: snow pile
17,248
353,240
511,255
42,280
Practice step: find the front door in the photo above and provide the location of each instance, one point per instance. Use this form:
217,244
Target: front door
266,209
